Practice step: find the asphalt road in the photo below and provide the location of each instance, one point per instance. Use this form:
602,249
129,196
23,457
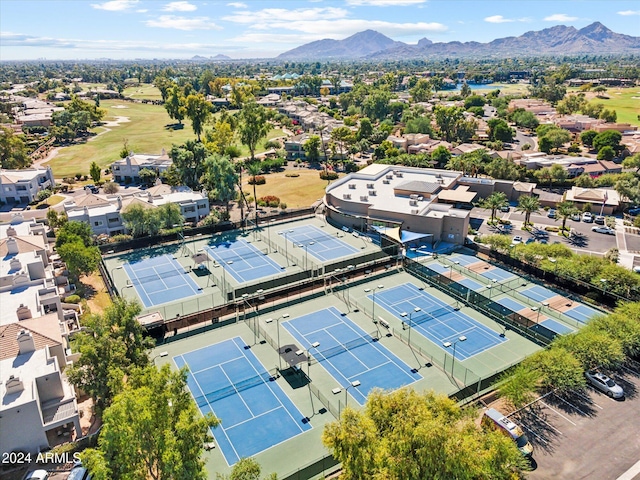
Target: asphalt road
585,435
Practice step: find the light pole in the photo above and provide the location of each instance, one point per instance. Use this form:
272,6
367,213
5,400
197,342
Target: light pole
284,315
286,248
489,288
555,268
161,355
354,384
373,298
536,309
269,232
308,352
461,338
405,314
306,253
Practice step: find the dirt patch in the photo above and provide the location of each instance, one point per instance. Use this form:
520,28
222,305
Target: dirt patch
118,120
119,106
94,291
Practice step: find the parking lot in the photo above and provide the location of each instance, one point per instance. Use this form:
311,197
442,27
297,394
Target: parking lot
585,241
586,434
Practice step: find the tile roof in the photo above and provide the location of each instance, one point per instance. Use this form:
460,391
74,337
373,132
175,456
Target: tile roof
44,330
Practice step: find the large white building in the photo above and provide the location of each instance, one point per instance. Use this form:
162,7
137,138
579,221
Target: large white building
417,200
22,186
38,408
103,212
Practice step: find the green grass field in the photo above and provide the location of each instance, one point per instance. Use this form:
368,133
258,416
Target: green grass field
145,131
144,90
621,100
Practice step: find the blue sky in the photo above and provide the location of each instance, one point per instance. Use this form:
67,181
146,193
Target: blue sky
125,29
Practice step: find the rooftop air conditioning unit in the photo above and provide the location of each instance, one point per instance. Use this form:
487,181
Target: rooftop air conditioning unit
441,180
369,185
389,176
352,186
413,196
399,174
346,196
414,211
413,202
385,181
438,175
372,193
364,198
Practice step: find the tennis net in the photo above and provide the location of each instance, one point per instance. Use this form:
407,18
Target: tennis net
155,276
426,316
241,386
345,347
226,256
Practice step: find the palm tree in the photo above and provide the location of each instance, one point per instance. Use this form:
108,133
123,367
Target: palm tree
565,210
254,169
493,202
528,204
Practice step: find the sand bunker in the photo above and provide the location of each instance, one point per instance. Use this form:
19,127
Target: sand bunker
119,106
116,122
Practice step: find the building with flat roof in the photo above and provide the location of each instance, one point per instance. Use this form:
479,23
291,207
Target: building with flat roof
103,212
419,200
22,186
127,170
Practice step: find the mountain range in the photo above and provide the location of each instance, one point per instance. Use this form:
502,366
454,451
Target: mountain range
557,40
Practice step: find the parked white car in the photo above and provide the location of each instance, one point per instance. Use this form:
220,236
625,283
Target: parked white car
603,229
587,217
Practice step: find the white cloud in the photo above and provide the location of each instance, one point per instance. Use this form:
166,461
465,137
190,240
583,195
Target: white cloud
278,15
179,7
237,5
182,23
384,3
497,19
142,10
629,12
560,17
115,5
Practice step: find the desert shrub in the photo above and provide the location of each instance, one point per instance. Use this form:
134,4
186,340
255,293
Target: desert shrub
328,175
72,299
283,206
292,174
257,180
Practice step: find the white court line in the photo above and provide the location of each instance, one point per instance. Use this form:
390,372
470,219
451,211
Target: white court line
276,396
631,473
217,364
222,429
342,345
237,391
554,410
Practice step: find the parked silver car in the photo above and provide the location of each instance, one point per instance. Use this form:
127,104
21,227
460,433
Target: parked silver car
604,384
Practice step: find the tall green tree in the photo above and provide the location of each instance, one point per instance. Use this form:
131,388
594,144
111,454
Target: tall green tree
421,92
80,260
565,210
111,345
528,204
447,119
198,110
95,172
220,179
312,148
342,138
175,104
253,127
152,429
442,155
254,169
406,435
493,202
608,138
13,151
189,158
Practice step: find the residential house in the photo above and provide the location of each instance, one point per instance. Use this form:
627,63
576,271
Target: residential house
22,186
103,212
127,170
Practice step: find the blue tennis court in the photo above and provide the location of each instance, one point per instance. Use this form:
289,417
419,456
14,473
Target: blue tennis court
348,353
228,379
318,243
465,259
556,326
438,321
243,261
582,313
471,284
498,274
538,293
160,280
438,267
511,304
